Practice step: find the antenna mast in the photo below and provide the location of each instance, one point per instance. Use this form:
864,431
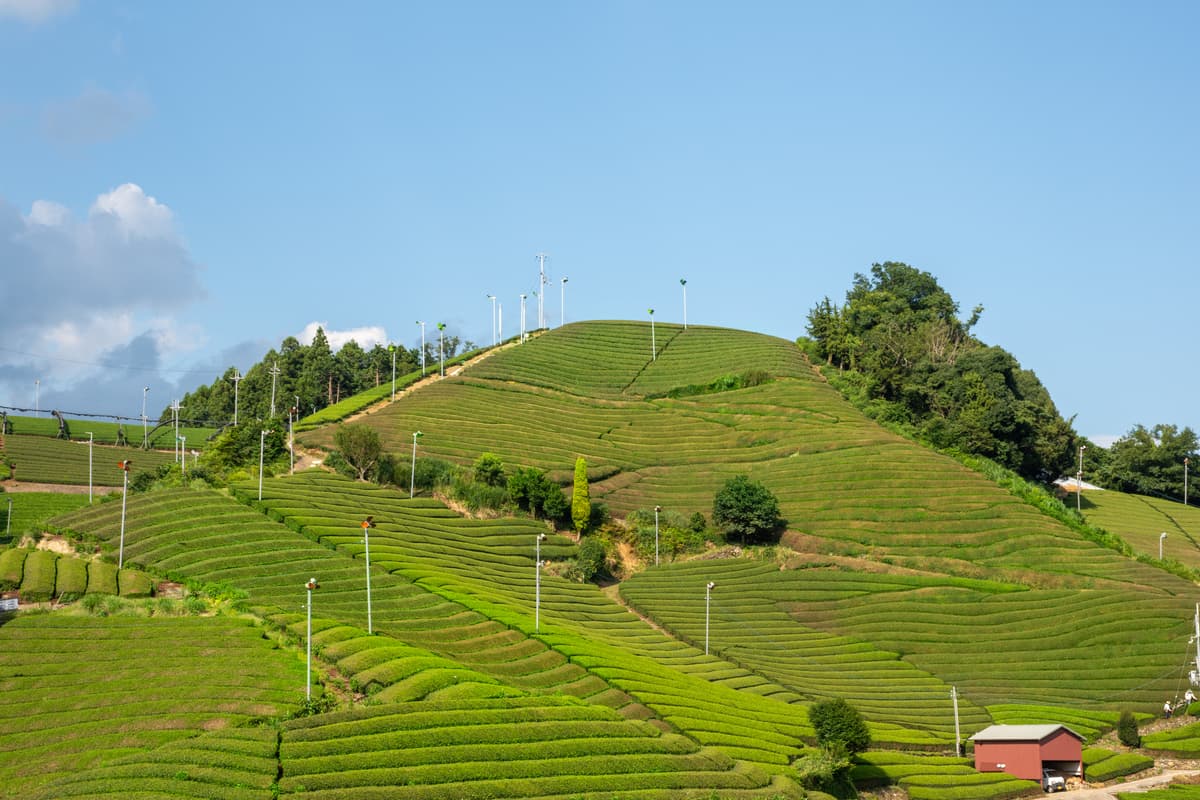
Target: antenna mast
541,257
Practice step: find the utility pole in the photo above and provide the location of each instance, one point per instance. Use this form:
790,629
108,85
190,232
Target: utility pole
1186,461
422,324
541,257
1079,481
562,304
237,378
274,375
683,283
492,297
175,415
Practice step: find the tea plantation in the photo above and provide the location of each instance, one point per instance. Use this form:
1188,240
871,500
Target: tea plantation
475,672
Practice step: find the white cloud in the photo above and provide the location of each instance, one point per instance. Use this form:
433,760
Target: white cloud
366,337
94,115
90,288
36,11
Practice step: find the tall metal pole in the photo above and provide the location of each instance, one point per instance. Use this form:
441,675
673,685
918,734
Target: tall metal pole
422,324
175,415
707,598
957,734
292,413
492,297
91,440
441,326
237,378
500,320
1186,461
392,347
653,342
145,427
125,465
537,583
37,402
562,304
412,481
262,446
522,318
310,586
274,375
183,455
1161,538
656,510
1079,481
8,521
541,292
366,526
683,283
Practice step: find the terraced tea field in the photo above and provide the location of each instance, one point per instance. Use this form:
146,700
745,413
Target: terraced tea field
160,438
41,459
30,510
78,694
1141,520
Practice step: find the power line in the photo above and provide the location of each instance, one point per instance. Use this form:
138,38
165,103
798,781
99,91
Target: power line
105,364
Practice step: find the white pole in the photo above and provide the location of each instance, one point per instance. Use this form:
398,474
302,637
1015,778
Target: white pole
1079,481
367,545
500,320
312,584
441,349
183,455
8,521
522,339
541,257
422,324
292,412
653,342
124,496
492,297
957,734
683,283
537,583
392,347
175,414
145,427
237,378
562,304
91,440
274,375
707,597
1185,479
37,402
262,446
656,510
1161,538
412,481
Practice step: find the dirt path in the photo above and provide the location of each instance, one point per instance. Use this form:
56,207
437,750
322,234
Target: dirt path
58,488
1139,785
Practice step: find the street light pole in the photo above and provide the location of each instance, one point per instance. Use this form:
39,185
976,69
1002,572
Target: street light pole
1186,461
707,600
1079,481
183,455
492,297
653,342
310,586
237,378
441,326
412,481
124,465
656,510
1161,538
262,446
91,440
683,283
8,521
145,427
392,347
422,324
562,304
37,402
537,583
367,524
522,339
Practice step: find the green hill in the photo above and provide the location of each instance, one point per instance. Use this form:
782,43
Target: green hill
902,574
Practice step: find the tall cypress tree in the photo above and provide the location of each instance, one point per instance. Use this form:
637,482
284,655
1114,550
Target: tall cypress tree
581,501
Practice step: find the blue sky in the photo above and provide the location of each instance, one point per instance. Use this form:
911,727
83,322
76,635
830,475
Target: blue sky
185,184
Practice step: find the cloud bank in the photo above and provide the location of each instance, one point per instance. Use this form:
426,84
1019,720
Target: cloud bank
36,12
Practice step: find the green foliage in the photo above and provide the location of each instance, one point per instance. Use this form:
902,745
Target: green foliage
747,508
920,366
590,560
581,502
1117,765
1127,730
1146,460
429,473
534,492
839,725
360,445
489,469
824,769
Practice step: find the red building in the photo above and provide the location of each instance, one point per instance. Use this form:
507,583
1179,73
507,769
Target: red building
1025,750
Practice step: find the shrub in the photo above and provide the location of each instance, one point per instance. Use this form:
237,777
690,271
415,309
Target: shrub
590,559
489,470
838,724
1127,730
430,472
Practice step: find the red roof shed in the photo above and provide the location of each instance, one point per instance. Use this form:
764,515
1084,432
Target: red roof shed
1025,750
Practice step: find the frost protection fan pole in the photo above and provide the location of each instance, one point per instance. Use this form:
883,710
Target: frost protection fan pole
537,582
124,465
368,523
310,586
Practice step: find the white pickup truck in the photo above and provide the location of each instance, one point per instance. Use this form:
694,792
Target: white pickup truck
1052,782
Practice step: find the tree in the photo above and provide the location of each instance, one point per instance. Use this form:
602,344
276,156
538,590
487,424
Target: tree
360,445
489,469
1148,460
745,507
1127,730
839,726
581,501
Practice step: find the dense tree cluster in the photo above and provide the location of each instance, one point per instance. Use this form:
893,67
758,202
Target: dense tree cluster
747,508
1145,461
313,375
916,363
